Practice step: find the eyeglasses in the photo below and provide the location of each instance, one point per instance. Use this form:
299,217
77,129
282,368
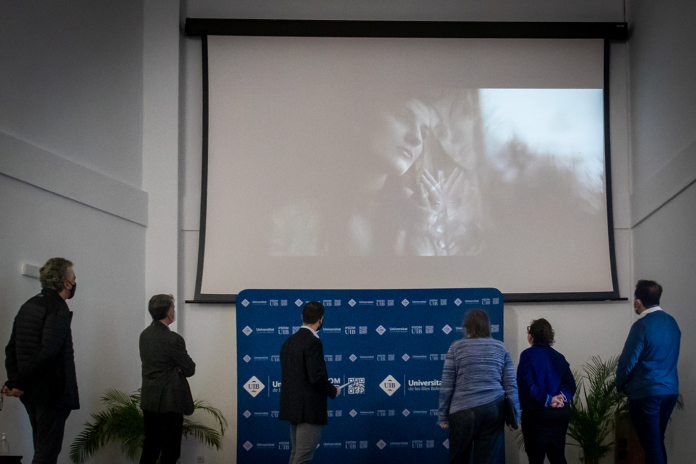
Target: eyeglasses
528,327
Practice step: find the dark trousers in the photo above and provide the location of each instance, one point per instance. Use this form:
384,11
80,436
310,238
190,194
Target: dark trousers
162,436
479,429
544,432
47,427
650,417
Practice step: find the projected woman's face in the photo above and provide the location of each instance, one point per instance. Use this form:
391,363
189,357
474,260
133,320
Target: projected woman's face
397,138
453,124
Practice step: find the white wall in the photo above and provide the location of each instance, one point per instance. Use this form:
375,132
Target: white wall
91,83
663,144
70,173
583,330
71,81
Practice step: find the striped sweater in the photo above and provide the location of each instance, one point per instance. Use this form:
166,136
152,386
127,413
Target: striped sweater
477,371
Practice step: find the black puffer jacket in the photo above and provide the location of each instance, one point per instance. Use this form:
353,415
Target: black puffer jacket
40,359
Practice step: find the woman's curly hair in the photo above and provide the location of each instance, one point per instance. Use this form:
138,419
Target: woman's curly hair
542,333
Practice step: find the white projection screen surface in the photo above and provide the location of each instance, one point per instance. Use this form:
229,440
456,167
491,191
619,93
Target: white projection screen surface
337,163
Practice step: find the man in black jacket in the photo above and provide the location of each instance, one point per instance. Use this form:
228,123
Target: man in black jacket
305,385
165,393
40,361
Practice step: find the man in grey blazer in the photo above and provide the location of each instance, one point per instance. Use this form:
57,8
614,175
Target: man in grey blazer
166,395
305,385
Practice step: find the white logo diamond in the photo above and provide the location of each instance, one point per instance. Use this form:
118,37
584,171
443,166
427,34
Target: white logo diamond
247,446
246,358
404,302
405,357
247,331
380,330
352,302
352,357
247,414
457,301
447,329
245,303
353,413
390,385
254,386
446,443
405,412
298,302
381,444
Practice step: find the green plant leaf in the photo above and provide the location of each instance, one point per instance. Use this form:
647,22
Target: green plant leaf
122,422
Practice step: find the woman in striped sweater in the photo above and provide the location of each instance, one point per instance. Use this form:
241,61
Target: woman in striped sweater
477,376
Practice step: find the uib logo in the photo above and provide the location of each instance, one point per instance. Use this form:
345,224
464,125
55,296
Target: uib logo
254,386
390,385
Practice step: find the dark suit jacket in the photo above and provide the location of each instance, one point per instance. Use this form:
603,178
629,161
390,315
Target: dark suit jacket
166,364
305,383
39,357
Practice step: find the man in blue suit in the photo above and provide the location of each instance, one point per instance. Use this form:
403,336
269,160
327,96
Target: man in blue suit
647,371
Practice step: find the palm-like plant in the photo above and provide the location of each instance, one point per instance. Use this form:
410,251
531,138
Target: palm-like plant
123,421
594,408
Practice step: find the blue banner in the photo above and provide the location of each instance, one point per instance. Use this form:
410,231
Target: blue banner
391,344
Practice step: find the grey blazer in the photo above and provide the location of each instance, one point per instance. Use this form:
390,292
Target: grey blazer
165,366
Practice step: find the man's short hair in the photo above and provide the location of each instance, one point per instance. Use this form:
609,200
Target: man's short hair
54,273
312,312
160,305
477,324
648,292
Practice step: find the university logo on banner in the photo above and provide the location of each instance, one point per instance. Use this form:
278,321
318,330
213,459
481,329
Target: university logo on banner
254,386
390,385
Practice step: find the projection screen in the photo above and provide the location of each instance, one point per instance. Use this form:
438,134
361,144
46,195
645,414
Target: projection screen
349,162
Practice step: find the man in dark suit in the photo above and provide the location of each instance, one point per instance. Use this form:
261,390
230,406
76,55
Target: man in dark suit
166,395
305,385
40,359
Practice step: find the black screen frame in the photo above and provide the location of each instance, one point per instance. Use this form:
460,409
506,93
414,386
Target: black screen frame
609,31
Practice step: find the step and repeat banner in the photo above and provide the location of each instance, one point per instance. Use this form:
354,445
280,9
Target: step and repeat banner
389,344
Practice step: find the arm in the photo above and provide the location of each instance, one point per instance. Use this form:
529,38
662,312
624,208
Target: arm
509,382
56,328
525,381
316,370
449,378
11,359
181,357
629,357
568,386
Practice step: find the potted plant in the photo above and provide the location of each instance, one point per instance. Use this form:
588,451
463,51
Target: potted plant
594,408
122,421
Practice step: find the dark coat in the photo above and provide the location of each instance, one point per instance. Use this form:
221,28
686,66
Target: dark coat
305,383
165,366
39,358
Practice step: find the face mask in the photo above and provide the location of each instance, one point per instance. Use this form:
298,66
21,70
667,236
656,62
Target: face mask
320,325
72,290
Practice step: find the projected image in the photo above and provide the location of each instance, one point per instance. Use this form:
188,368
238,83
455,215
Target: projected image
441,173
405,163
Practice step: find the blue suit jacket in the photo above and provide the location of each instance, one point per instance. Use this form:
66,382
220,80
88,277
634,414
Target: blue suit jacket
648,363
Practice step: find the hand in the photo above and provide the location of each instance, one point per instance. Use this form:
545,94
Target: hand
444,425
12,392
451,230
338,391
558,401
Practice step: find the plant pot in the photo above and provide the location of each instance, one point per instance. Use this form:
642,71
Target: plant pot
627,449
